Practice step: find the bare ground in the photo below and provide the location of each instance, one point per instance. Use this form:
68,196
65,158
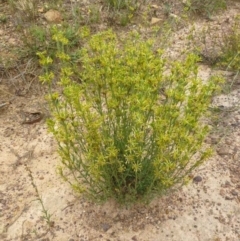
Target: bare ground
207,209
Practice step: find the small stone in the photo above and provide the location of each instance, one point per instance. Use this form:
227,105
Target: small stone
197,179
155,6
105,227
222,151
222,192
155,20
53,16
134,238
234,192
229,198
227,184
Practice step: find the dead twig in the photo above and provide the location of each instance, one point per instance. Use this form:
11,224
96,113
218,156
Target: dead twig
7,102
22,74
25,208
28,155
4,104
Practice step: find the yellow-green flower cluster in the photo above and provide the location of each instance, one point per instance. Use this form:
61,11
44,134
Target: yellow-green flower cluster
124,127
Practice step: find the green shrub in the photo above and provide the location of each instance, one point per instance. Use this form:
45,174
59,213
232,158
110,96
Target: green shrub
119,4
25,10
230,47
204,7
129,130
38,38
123,11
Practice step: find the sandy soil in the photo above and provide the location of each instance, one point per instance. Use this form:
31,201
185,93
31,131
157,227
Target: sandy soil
207,209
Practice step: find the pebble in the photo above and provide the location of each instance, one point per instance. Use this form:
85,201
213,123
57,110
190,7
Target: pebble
155,20
227,183
229,198
222,151
222,192
197,179
234,192
105,227
134,238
